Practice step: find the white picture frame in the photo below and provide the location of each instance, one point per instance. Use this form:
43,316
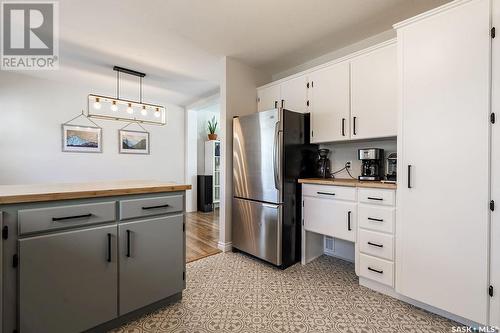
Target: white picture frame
133,142
81,139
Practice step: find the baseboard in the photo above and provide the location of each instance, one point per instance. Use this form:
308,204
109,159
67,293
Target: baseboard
383,289
225,247
117,322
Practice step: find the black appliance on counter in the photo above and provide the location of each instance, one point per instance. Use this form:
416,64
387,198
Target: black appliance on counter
323,163
372,163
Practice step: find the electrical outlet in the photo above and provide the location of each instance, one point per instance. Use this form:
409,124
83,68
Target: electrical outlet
348,164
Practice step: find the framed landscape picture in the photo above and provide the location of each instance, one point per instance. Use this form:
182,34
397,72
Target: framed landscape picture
81,139
133,142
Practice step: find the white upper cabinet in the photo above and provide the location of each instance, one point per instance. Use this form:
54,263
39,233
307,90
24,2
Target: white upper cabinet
354,98
294,94
268,97
329,103
374,80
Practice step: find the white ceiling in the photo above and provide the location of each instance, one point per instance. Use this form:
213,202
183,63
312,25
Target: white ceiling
179,43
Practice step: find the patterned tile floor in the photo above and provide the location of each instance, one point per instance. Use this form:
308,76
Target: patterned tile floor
231,292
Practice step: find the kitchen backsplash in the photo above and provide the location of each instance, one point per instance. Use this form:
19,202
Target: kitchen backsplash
340,153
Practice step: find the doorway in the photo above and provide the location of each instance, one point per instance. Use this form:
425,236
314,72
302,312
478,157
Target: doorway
203,171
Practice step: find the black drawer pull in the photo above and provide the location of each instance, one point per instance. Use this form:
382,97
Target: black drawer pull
109,248
343,126
377,199
349,220
325,193
375,270
128,243
156,207
376,220
70,217
374,244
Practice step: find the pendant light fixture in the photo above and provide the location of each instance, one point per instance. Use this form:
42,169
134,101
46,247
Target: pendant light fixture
117,108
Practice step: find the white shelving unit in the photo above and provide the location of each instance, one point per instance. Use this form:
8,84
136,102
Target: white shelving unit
212,166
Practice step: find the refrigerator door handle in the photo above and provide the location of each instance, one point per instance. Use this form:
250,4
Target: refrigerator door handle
275,155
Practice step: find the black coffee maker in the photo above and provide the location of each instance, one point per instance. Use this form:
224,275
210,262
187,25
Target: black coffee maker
372,163
323,166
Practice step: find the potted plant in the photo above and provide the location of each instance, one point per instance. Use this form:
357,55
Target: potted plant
212,127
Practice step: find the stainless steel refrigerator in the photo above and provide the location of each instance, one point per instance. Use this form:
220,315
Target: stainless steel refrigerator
271,151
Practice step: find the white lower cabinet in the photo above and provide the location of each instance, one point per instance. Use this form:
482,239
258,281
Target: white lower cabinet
330,217
379,270
327,211
375,243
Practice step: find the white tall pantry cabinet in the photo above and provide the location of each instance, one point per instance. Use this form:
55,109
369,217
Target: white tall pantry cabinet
443,159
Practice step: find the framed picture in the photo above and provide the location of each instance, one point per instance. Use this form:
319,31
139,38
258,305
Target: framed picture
133,142
81,139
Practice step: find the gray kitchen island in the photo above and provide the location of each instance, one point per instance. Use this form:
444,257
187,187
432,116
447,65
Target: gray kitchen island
90,256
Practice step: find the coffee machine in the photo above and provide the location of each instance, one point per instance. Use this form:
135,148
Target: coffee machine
372,163
391,167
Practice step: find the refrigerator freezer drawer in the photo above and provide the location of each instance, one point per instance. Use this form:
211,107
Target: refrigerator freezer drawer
257,229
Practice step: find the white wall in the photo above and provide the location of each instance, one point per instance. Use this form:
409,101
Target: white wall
203,116
191,159
339,53
238,97
340,153
32,110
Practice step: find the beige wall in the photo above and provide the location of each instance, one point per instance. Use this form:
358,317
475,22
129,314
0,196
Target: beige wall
238,97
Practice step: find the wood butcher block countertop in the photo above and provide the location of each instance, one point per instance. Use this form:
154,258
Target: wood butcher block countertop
10,194
347,182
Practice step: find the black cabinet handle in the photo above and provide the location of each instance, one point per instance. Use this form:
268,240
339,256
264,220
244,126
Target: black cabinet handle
325,193
109,248
377,199
376,220
70,217
354,125
343,126
275,104
156,207
128,243
409,175
374,244
282,103
375,270
349,221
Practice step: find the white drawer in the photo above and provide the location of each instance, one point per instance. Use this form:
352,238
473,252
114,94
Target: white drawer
329,192
376,269
376,244
378,218
377,196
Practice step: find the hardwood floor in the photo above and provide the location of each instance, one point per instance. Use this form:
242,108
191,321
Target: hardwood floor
202,235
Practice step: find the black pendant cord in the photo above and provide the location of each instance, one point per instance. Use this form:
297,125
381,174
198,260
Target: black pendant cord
117,85
140,89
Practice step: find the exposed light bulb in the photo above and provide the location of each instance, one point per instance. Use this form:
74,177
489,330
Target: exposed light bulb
157,113
97,104
144,112
129,109
114,107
